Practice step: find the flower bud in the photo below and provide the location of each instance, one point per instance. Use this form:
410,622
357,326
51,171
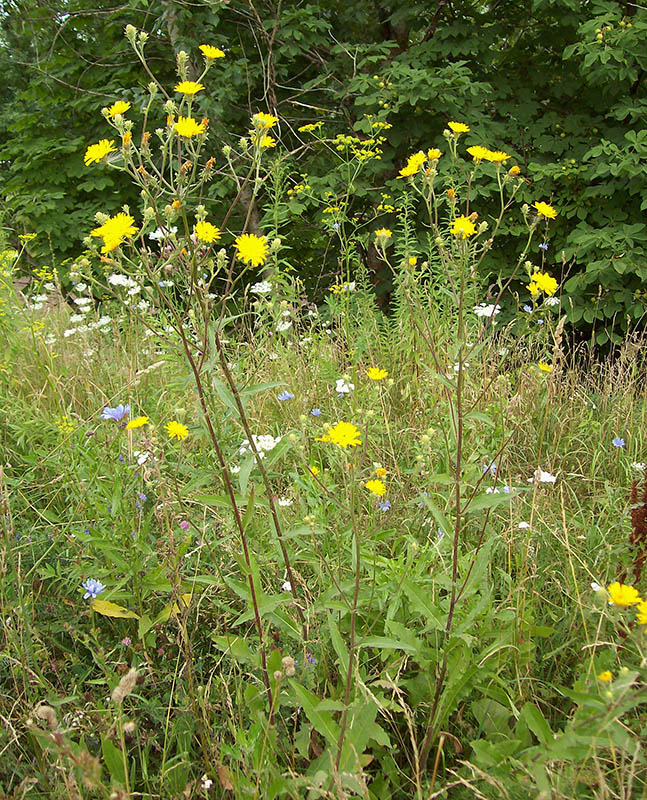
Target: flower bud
131,33
288,666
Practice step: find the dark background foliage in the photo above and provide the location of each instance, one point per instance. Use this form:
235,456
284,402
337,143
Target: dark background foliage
559,84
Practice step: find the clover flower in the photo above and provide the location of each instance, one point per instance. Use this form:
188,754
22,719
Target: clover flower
92,588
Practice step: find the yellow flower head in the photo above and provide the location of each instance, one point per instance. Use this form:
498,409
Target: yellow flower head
542,282
497,156
344,434
458,127
380,472
414,163
382,236
544,367
189,87
434,154
207,232
641,612
176,430
265,142
137,422
544,210
514,171
622,595
114,230
376,374
251,249
97,152
188,127
605,676
463,227
263,121
210,52
120,107
477,152
413,261
314,470
376,487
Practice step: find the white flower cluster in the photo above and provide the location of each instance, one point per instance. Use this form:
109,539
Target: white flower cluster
262,287
343,387
485,310
117,279
263,444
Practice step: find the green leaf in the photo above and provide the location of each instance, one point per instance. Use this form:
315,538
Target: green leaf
384,642
114,760
321,720
537,723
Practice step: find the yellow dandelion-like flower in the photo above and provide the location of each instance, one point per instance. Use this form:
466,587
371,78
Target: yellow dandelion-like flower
376,487
414,163
533,289
543,283
544,210
97,152
210,52
265,142
622,595
380,472
477,152
382,235
544,367
188,127
207,232
605,676
514,171
137,422
263,121
413,260
314,470
463,227
434,154
114,230
641,612
120,107
344,434
458,127
189,87
497,156
176,430
251,249
376,374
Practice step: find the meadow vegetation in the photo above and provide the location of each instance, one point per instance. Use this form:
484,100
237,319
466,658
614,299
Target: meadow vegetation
256,546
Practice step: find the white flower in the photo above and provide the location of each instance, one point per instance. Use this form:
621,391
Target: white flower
263,444
485,310
273,356
207,783
543,477
74,318
141,456
287,586
639,465
143,305
234,469
284,501
524,526
136,289
551,301
342,387
80,287
83,301
284,325
161,233
40,298
69,332
50,338
492,490
35,306
262,287
456,367
89,352
595,586
49,287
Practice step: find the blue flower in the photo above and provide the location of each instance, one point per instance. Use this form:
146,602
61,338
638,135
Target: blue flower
385,505
316,412
92,588
285,396
540,322
116,414
543,246
527,309
618,442
490,468
335,226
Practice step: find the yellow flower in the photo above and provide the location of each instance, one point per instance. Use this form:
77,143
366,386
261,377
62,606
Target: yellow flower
114,230
477,152
376,487
120,107
382,236
207,232
413,261
544,210
188,127
127,138
263,121
641,612
97,152
458,127
251,249
210,52
543,283
376,374
345,434
265,141
463,226
189,87
176,430
137,422
497,156
533,289
544,367
622,595
314,470
605,676
514,171
380,472
414,163
434,154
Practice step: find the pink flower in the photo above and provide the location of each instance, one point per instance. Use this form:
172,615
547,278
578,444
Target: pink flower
184,525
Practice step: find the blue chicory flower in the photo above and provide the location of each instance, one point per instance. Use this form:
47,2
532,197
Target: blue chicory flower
527,309
285,396
316,412
385,505
543,246
618,442
490,468
92,588
117,413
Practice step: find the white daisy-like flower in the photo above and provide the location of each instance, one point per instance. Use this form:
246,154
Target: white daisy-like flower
486,310
640,466
262,287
